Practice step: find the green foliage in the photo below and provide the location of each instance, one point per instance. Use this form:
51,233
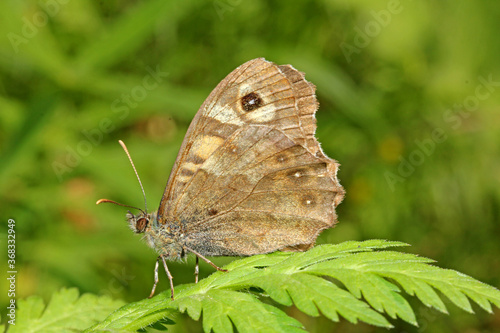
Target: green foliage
370,277
65,313
377,108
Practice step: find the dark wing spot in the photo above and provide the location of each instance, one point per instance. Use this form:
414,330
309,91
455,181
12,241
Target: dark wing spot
281,158
212,212
196,159
308,200
187,173
232,148
251,102
296,174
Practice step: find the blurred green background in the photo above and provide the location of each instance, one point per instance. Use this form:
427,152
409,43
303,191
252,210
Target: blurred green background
409,94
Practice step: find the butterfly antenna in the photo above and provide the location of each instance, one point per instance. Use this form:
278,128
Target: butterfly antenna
100,201
135,170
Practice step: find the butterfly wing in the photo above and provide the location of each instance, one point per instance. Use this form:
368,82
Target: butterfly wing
259,192
288,103
254,109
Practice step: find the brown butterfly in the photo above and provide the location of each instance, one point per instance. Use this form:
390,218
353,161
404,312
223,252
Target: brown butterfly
250,177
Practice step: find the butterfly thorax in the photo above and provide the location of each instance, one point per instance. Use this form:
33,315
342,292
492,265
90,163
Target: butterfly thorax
161,238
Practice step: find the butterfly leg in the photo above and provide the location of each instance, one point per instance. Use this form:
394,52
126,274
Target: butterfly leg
156,277
170,277
206,260
196,270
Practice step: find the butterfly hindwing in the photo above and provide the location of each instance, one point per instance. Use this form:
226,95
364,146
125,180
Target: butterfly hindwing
259,192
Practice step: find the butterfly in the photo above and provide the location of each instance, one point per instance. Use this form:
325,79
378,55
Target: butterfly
250,177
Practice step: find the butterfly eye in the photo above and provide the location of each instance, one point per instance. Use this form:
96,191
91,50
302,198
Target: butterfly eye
141,225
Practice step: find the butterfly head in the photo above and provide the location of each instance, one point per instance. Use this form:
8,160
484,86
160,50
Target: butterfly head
141,222
163,239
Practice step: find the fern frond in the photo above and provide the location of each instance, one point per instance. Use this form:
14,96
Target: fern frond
359,281
373,279
66,312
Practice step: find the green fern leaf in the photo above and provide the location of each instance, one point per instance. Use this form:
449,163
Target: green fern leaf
359,281
312,281
222,308
138,315
66,312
